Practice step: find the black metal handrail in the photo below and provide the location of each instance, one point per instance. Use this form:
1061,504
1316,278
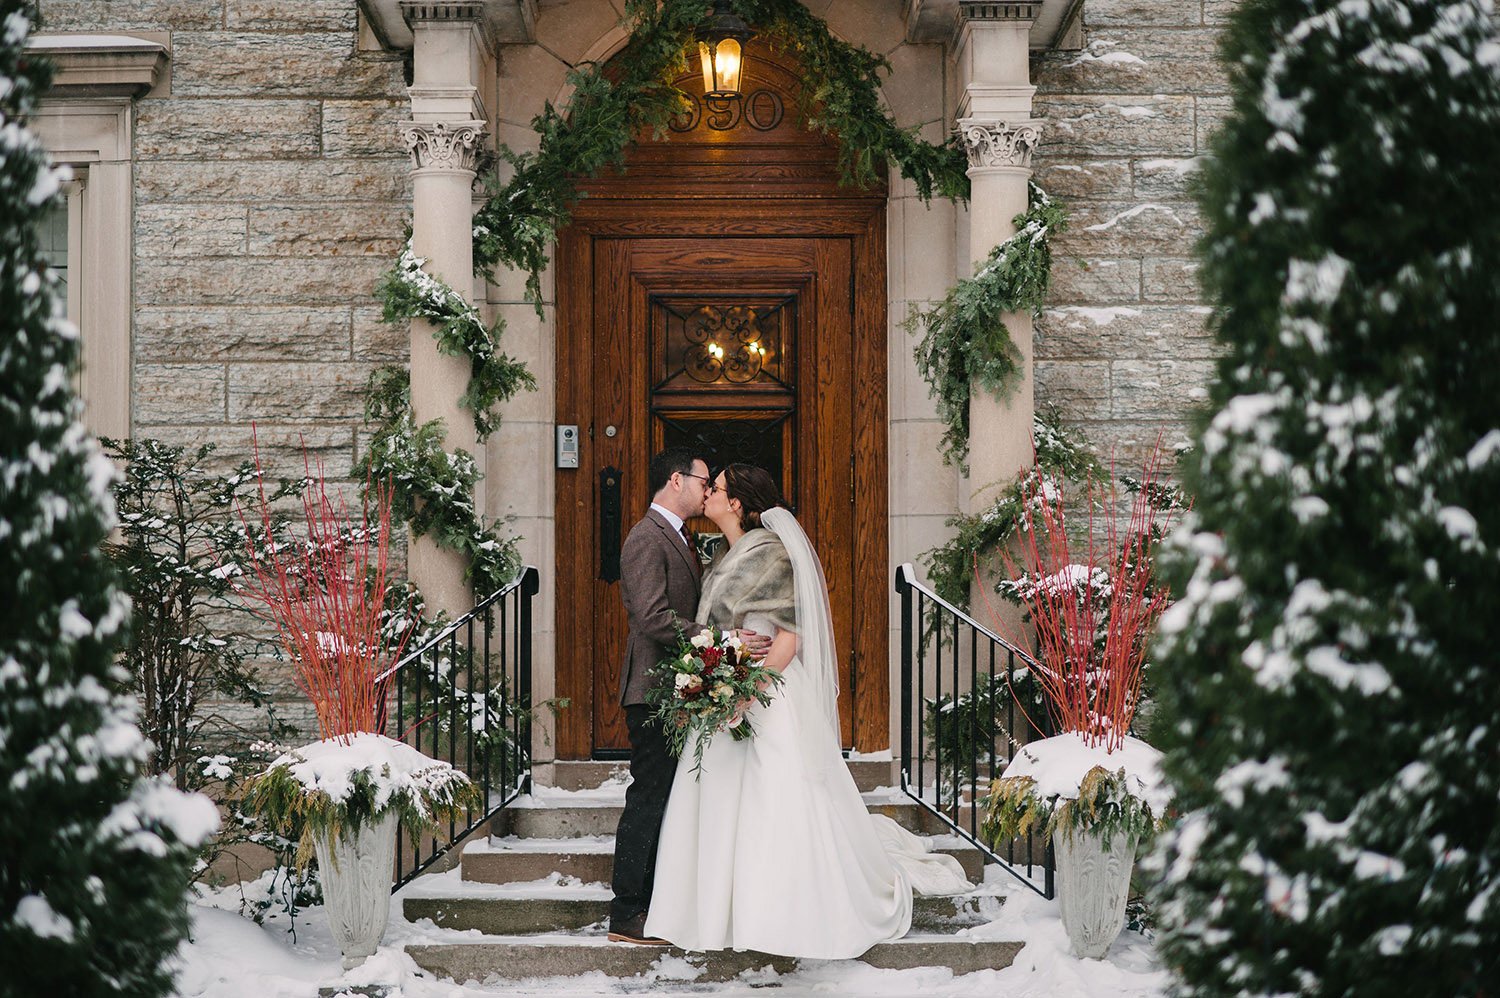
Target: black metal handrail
466,693
971,732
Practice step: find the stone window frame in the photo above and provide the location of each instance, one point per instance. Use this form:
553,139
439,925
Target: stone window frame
86,122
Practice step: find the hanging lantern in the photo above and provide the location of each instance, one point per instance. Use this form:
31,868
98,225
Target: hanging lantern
721,47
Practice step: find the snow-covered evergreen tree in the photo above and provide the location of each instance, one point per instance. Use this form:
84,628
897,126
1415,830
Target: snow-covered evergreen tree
93,861
1330,682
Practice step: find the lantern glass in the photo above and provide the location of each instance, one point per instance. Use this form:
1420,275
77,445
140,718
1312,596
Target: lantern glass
727,65
706,55
723,62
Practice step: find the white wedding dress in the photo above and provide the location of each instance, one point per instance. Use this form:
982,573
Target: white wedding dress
770,848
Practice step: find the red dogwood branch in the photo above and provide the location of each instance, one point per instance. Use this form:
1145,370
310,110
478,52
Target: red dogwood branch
325,596
1091,686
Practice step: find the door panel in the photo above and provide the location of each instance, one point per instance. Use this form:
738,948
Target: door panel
676,351
639,303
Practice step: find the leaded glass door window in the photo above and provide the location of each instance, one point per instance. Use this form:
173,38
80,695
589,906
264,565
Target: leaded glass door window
724,379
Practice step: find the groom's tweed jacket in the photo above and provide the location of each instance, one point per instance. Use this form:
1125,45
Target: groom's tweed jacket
660,591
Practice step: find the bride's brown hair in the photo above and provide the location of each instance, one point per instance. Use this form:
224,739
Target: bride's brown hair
754,488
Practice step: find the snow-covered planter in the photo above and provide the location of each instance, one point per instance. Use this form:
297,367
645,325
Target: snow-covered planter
1097,807
348,795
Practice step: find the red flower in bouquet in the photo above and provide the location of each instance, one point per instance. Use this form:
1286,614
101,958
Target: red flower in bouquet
713,680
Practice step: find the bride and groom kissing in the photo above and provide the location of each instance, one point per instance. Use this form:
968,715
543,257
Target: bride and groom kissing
769,848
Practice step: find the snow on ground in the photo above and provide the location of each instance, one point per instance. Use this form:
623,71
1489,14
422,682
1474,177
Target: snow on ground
231,957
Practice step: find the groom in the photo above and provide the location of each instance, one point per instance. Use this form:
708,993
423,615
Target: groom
659,578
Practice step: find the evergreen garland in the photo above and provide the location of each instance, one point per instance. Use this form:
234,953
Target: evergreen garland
1059,452
432,489
840,97
966,342
408,292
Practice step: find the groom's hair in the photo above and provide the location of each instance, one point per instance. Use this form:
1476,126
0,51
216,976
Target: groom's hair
668,463
755,489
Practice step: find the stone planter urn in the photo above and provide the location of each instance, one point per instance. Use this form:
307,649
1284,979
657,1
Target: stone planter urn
367,786
1059,786
1093,884
356,868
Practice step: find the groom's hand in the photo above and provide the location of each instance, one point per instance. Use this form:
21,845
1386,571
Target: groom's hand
756,645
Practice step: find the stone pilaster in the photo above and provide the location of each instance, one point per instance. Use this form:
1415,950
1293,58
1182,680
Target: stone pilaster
445,138
994,122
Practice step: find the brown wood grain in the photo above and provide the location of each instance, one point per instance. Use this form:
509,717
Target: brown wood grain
574,535
741,210
871,679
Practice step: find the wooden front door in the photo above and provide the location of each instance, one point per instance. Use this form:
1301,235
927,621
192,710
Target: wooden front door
748,322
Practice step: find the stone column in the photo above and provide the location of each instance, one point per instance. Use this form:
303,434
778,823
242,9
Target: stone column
445,137
994,121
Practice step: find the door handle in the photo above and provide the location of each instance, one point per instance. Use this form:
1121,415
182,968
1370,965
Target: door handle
609,524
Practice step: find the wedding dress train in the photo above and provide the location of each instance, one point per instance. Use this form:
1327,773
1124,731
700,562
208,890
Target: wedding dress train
771,848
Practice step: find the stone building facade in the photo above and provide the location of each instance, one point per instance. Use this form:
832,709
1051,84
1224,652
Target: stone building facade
268,188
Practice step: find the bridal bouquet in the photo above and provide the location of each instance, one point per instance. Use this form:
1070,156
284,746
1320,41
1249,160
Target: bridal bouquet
713,681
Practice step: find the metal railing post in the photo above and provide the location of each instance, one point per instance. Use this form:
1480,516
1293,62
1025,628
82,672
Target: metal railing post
903,586
915,598
530,586
426,707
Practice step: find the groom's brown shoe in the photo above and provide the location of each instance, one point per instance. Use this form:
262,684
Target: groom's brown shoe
633,930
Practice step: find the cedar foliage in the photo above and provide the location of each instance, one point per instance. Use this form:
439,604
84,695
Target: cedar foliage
1328,696
93,860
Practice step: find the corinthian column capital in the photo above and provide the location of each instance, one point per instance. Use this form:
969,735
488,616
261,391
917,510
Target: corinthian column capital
443,145
999,143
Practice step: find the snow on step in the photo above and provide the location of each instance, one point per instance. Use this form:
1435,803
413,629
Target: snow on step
550,813
591,858
559,904
528,957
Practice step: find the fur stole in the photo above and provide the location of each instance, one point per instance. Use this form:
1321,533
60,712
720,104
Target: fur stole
753,576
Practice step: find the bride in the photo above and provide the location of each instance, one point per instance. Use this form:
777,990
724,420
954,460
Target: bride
772,849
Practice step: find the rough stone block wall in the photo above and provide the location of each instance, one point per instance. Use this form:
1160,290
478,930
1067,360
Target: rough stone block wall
1121,348
270,193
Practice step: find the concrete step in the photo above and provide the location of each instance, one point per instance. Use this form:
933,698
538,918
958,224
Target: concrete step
591,860
523,958
552,908
515,860
558,817
586,775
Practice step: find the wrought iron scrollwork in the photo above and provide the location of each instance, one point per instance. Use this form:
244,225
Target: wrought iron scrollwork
724,344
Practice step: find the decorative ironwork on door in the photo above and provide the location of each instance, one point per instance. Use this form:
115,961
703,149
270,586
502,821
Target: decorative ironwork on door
723,342
724,378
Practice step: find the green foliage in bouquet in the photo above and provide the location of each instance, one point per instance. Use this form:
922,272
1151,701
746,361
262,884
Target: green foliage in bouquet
1104,805
966,342
710,687
431,797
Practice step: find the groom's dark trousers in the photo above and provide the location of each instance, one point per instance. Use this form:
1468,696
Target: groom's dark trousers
659,585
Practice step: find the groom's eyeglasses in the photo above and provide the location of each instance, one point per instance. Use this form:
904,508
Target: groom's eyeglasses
701,478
